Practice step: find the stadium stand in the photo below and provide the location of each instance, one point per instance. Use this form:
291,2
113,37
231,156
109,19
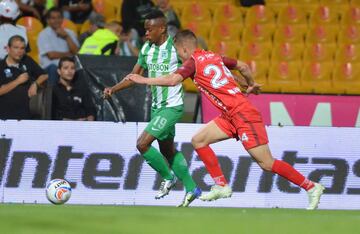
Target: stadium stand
321,33
292,14
285,77
258,33
308,6
200,28
33,25
70,25
348,53
255,51
324,15
347,78
226,48
33,28
349,34
316,77
228,13
277,5
320,52
275,39
293,33
225,31
196,11
260,14
110,9
260,69
287,51
351,15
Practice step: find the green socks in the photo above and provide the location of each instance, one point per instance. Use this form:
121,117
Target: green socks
156,160
179,166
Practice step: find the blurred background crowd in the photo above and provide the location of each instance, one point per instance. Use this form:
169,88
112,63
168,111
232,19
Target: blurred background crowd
291,46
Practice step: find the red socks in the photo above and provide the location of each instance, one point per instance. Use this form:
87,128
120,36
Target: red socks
209,158
281,168
288,172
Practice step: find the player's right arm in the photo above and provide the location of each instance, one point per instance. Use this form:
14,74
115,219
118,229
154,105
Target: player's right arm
126,83
6,88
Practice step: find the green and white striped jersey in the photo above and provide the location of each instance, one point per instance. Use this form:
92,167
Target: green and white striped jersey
158,61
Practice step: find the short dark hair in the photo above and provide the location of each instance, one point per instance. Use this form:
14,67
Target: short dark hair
54,9
15,38
154,14
65,59
183,35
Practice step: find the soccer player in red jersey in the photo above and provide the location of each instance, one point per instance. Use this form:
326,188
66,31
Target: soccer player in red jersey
239,118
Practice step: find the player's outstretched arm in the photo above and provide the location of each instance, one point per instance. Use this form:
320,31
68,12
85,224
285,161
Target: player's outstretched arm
123,84
167,80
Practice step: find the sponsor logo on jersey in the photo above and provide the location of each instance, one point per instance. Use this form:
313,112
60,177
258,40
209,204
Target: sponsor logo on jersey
158,67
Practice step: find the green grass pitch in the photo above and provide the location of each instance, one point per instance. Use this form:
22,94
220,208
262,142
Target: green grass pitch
51,219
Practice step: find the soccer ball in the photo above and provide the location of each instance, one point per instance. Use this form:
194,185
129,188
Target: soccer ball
58,191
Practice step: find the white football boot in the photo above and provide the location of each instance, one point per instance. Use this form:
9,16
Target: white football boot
314,195
217,192
165,187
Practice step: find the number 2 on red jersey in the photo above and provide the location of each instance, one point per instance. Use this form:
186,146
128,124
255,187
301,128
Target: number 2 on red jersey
220,75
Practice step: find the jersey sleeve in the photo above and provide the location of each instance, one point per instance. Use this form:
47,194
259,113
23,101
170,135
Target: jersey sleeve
229,62
187,69
141,58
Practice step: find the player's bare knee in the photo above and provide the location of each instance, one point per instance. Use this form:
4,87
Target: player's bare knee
266,166
142,146
197,142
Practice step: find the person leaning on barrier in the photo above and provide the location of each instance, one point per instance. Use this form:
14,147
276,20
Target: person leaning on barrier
71,99
20,78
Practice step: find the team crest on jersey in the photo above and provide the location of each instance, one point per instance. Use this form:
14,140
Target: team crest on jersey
164,54
8,73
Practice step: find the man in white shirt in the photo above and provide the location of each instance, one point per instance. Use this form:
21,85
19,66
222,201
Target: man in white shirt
9,11
55,42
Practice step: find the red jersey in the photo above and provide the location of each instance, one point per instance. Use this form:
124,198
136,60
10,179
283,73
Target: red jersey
239,118
213,78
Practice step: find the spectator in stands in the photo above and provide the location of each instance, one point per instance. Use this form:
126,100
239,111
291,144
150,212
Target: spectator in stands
55,42
9,11
34,8
20,77
173,21
129,43
71,101
133,14
77,11
96,21
103,41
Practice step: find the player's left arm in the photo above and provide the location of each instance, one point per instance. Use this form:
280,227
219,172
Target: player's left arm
171,79
186,70
244,69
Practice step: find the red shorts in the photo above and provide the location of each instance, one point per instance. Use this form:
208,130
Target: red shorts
245,125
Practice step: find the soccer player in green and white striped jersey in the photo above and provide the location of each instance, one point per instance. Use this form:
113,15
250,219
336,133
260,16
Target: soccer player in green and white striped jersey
158,56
